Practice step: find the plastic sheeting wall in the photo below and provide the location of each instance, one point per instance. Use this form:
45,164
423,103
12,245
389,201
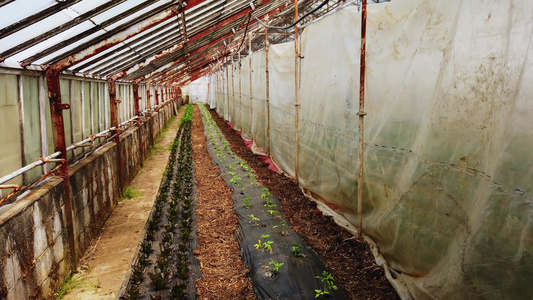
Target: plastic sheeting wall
199,90
448,137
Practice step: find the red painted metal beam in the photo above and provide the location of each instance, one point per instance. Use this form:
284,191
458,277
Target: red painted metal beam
60,144
112,88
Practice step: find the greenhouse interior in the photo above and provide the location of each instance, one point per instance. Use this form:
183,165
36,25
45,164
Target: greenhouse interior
266,149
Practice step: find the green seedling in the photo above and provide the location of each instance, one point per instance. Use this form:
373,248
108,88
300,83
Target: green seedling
273,212
270,205
267,245
274,267
266,194
254,219
283,223
246,201
297,250
329,285
231,167
235,180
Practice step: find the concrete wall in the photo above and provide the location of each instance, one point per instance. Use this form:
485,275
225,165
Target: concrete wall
34,255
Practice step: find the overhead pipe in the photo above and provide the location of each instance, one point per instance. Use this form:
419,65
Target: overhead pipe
362,115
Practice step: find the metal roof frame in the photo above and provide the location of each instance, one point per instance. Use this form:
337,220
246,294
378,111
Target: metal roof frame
155,41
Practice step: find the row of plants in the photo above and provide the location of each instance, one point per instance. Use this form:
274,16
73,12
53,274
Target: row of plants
161,269
234,166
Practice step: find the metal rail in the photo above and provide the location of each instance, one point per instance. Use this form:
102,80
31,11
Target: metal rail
52,157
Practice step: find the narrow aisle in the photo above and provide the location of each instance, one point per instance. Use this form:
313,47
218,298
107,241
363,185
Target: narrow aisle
103,267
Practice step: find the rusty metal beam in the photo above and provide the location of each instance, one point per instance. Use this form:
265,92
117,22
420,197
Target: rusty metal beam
296,95
362,115
17,26
149,41
5,2
60,145
113,104
267,81
151,15
57,30
184,32
193,39
118,38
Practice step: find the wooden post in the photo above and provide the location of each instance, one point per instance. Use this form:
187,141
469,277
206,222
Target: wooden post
56,110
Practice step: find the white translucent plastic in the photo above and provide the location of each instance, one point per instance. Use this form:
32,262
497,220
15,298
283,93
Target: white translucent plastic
448,137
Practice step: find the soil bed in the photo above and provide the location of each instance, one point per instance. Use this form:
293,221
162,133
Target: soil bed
348,259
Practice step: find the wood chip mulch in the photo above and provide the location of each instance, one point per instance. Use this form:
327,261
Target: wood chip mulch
224,275
348,259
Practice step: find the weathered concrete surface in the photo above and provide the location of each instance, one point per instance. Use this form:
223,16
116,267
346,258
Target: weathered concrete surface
34,254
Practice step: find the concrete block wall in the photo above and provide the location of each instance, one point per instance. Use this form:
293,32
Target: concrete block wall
34,255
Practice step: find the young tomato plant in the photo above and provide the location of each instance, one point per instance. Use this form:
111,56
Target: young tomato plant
297,250
329,285
266,245
274,267
254,218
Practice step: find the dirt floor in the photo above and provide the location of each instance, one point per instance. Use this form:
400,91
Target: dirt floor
103,267
348,259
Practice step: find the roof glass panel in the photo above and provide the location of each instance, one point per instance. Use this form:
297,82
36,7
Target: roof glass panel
21,9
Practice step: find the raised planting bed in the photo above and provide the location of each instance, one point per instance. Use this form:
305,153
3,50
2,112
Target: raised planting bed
164,266
281,264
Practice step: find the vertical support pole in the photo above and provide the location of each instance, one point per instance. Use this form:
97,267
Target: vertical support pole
240,90
227,91
296,95
92,107
56,109
251,91
112,88
156,94
83,121
361,114
20,93
267,90
148,100
233,88
136,98
42,120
